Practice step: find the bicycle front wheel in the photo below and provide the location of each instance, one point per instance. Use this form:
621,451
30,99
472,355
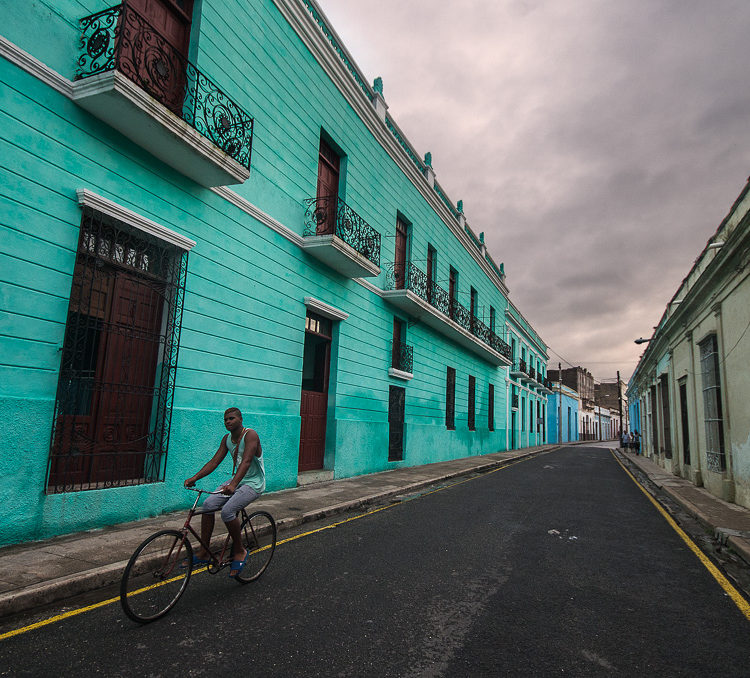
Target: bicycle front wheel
156,576
259,538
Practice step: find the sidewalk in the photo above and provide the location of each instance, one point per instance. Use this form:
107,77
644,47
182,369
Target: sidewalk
43,572
730,523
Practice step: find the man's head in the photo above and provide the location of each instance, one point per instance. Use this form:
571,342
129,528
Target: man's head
232,418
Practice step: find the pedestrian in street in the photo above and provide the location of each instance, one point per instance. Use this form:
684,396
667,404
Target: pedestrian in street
636,443
246,483
625,440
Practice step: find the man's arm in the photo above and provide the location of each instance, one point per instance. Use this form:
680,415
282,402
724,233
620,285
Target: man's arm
252,449
211,465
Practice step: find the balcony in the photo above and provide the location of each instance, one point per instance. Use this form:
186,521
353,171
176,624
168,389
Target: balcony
408,288
519,370
130,77
402,361
336,235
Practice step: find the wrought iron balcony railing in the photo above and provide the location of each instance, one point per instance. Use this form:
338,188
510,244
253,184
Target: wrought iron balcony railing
408,276
522,366
120,39
332,216
402,357
532,373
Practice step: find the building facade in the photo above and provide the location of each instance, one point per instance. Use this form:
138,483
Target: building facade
205,205
562,414
688,395
528,385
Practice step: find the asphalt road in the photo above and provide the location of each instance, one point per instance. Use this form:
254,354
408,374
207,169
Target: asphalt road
557,565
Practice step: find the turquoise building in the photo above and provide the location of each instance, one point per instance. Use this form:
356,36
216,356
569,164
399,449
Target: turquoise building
205,205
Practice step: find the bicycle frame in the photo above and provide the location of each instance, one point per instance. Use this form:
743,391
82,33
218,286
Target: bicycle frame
215,564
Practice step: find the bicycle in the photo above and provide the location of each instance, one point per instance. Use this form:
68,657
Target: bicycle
159,570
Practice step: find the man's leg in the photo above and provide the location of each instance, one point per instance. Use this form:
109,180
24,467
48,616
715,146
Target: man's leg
207,529
230,515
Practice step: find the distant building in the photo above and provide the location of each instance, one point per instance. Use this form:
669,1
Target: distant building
582,382
613,396
563,404
690,391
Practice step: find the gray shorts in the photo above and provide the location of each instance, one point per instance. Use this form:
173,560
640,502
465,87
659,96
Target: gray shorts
230,505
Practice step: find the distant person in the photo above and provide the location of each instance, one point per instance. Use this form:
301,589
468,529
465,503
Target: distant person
636,443
625,440
246,483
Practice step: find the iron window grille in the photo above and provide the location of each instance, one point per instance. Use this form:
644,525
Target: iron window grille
113,407
712,410
491,408
450,398
472,403
120,39
402,357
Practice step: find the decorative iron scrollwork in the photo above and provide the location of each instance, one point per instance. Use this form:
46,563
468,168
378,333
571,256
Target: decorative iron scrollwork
119,38
329,215
408,276
403,357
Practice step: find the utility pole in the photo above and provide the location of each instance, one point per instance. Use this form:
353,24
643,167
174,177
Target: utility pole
559,404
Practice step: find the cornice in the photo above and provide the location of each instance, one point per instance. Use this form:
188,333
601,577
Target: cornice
302,22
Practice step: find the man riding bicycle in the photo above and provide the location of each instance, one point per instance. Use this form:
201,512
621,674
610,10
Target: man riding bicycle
247,482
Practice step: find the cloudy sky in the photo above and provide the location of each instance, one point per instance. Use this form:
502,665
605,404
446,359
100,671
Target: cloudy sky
597,143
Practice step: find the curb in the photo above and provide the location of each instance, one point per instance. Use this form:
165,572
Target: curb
58,589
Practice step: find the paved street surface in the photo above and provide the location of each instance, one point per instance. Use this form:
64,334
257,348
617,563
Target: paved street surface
556,565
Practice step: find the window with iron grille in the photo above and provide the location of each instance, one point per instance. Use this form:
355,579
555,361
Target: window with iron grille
114,396
523,414
712,410
472,403
665,416
450,399
491,407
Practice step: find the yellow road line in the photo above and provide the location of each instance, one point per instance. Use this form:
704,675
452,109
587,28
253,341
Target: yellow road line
73,613
725,584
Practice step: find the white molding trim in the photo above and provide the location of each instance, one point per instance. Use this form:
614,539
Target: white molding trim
398,374
33,66
95,201
248,207
326,310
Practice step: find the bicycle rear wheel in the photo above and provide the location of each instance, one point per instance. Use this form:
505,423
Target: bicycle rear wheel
259,538
156,576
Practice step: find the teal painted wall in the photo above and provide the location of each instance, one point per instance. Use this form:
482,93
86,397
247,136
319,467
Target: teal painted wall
243,322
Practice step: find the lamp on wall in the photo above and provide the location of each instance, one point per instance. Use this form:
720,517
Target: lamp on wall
641,340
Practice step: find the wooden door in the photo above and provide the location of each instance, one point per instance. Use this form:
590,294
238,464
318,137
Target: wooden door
328,189
314,396
111,356
402,234
128,369
160,59
430,273
452,289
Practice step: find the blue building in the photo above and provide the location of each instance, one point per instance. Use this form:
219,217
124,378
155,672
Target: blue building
562,406
206,205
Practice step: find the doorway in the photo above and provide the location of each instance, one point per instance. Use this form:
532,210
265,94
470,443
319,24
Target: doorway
314,399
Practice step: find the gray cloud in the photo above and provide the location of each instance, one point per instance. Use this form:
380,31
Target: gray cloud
597,144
